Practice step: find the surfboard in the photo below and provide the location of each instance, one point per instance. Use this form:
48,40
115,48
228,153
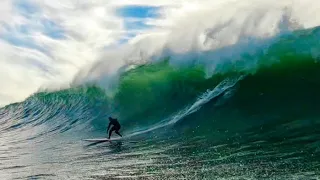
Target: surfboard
101,139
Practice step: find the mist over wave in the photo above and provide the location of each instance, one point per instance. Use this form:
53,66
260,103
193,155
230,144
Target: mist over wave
215,35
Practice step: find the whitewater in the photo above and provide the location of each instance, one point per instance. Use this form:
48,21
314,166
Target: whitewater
222,90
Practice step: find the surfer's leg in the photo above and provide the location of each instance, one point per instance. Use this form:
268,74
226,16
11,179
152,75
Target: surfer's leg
118,133
110,132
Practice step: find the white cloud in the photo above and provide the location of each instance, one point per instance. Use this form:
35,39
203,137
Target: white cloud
87,29
6,10
18,73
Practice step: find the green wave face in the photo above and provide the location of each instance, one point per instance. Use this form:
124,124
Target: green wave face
281,85
153,92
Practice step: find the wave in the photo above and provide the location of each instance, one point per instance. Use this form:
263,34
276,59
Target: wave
280,87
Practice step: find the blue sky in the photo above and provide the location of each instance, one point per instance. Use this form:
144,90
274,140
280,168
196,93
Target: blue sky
139,11
140,14
135,18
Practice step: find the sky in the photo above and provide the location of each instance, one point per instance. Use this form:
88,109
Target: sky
46,43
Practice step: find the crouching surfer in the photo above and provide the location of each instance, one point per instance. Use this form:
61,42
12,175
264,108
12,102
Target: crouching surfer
116,126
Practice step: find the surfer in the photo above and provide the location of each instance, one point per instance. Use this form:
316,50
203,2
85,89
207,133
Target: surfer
116,126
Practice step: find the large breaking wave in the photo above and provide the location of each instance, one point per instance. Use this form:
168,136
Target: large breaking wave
282,85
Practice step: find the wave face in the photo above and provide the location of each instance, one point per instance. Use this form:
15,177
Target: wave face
259,111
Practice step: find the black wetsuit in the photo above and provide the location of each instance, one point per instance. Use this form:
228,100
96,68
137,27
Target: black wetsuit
116,126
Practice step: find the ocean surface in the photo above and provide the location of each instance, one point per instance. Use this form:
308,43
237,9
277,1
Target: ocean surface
254,118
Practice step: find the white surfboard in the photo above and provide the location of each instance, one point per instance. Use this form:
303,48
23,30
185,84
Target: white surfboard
101,139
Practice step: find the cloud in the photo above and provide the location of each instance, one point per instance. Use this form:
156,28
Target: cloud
47,42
